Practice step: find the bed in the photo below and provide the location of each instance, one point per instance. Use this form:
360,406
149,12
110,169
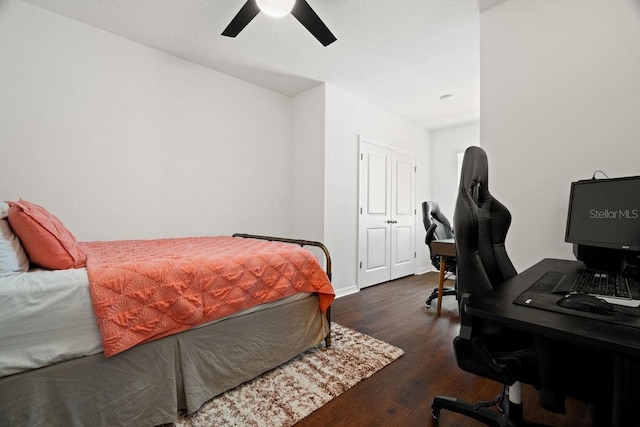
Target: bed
58,368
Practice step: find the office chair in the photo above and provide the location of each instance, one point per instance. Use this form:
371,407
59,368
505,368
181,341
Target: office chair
482,347
438,228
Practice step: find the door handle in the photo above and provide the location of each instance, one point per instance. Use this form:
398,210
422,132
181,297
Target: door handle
389,221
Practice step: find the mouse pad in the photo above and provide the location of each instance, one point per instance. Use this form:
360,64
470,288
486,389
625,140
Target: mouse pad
539,296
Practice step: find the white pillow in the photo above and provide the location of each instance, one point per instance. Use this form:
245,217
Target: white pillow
4,210
13,259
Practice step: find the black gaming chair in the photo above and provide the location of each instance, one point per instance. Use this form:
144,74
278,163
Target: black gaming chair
438,228
482,347
494,351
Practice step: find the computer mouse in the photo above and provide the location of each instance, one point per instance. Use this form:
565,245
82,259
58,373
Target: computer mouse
586,302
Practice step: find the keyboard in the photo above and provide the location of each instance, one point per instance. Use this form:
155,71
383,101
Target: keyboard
607,285
614,288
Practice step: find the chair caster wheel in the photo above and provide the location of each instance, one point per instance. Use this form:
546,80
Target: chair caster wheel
435,413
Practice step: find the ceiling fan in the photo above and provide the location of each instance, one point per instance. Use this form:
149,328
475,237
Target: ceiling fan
300,9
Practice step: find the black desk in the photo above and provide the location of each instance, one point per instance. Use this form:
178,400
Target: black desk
620,340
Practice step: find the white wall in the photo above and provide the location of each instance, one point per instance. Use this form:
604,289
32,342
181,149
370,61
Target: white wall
446,144
424,186
347,118
307,201
560,98
121,141
308,168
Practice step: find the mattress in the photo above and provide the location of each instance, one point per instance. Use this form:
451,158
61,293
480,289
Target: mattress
46,317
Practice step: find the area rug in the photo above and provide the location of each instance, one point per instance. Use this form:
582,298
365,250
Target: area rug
285,395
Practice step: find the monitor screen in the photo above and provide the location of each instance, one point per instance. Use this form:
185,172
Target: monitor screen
605,213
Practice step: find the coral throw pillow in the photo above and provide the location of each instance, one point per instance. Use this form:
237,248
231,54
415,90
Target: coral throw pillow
45,239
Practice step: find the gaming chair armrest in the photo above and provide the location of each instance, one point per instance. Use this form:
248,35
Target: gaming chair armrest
472,353
429,237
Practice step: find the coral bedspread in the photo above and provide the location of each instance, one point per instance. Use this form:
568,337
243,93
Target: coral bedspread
147,289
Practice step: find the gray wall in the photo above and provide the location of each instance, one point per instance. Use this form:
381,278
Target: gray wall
560,99
446,144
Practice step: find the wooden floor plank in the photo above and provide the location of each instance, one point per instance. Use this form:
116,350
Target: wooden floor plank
401,393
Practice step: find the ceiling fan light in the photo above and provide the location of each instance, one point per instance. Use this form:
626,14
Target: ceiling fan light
276,8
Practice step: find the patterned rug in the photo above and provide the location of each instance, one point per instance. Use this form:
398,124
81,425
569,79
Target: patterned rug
288,393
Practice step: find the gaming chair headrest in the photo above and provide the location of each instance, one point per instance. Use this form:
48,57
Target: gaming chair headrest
474,176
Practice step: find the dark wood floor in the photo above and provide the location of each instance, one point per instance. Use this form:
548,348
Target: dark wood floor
401,393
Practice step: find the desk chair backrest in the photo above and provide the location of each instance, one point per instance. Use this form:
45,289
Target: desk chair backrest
481,223
438,227
436,224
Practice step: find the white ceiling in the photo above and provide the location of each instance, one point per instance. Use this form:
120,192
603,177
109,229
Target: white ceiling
399,54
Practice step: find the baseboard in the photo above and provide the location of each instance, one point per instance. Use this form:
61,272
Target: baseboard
343,292
425,270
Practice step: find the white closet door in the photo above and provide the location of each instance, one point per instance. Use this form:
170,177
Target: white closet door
387,214
375,215
403,249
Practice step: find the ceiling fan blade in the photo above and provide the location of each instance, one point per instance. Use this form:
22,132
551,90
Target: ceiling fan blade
312,22
242,18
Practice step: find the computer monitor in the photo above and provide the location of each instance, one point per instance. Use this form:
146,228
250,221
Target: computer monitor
603,222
